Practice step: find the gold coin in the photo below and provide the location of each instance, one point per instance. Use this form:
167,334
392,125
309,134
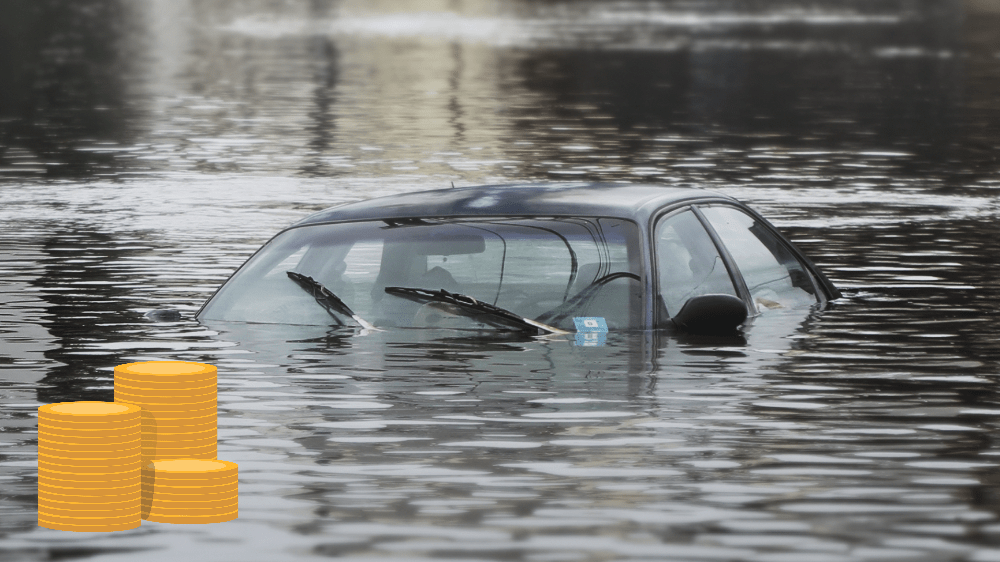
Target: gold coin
184,426
88,446
182,412
148,390
106,452
88,508
87,479
166,437
97,485
197,422
194,466
163,400
154,406
77,447
84,495
151,511
74,441
162,518
209,430
203,492
80,472
116,457
165,397
189,487
87,411
83,444
146,387
60,484
157,511
164,368
96,502
211,503
89,437
81,513
123,505
168,396
56,470
178,443
89,427
180,452
60,525
167,493
161,406
81,462
201,414
90,430
89,519
166,383
169,440
90,461
162,454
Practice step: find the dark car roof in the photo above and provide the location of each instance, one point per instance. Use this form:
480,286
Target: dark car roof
625,201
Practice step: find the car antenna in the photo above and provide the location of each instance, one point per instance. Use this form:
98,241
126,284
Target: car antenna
453,185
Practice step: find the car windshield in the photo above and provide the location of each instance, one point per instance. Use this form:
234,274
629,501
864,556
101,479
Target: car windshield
546,269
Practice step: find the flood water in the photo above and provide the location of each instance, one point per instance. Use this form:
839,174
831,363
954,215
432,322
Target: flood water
148,148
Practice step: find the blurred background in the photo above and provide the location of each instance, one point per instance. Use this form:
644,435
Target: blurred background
473,89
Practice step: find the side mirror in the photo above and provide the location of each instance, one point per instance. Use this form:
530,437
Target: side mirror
711,314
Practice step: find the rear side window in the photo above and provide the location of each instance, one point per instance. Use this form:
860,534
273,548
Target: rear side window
776,279
688,263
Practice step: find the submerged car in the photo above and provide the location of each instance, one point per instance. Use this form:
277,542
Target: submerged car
532,258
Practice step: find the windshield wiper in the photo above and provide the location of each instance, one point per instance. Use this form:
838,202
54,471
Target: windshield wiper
484,312
329,301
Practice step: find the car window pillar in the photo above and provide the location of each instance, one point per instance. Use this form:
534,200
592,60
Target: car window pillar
734,273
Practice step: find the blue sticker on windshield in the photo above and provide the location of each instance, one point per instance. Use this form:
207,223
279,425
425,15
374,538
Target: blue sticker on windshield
590,324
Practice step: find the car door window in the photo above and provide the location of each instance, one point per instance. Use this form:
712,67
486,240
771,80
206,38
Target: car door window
775,278
688,263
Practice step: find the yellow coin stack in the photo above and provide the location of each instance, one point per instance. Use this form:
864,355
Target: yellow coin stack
89,466
182,482
190,491
178,400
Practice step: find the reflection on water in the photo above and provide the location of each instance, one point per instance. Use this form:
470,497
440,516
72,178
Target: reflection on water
146,149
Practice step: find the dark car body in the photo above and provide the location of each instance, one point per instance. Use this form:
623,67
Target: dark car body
675,244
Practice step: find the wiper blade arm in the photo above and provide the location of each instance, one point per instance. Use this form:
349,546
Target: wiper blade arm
496,316
329,301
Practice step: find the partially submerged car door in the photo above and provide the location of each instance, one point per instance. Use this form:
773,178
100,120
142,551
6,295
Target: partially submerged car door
720,249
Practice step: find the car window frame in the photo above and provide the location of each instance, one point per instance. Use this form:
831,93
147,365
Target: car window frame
825,290
661,316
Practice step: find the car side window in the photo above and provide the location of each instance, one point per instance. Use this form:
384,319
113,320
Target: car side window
688,263
775,278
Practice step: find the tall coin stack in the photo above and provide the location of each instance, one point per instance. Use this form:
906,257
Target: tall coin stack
178,400
89,466
181,480
190,491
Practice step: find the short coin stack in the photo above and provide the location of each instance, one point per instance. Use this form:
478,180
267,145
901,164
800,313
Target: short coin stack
178,400
190,491
89,466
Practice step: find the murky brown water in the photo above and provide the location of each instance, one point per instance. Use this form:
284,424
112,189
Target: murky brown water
146,149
